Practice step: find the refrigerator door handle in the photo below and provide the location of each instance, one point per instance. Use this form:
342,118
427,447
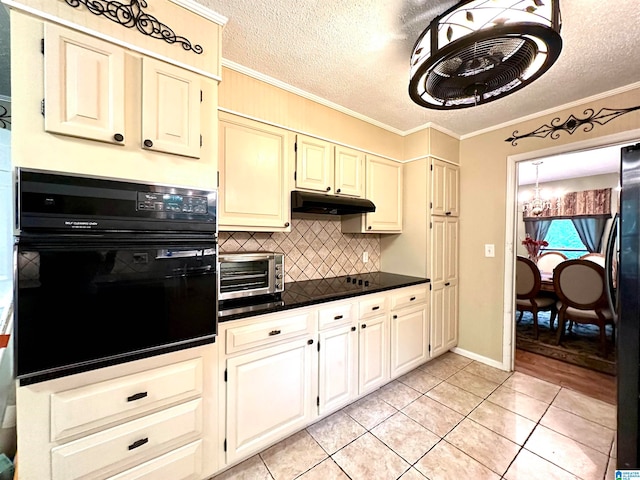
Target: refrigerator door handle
608,267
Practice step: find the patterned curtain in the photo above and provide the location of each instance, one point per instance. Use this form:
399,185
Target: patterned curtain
588,203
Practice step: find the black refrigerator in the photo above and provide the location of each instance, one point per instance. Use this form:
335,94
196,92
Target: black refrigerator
627,305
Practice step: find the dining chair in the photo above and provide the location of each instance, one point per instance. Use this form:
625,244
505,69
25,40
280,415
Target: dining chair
528,298
594,257
550,260
581,290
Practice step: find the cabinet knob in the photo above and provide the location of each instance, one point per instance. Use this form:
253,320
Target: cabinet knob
353,329
395,316
148,143
309,342
287,224
328,188
338,190
447,213
364,325
118,137
369,227
447,284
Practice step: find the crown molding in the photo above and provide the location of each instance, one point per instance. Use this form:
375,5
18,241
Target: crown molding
552,111
201,10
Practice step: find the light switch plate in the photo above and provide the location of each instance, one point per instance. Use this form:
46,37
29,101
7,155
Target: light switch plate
489,250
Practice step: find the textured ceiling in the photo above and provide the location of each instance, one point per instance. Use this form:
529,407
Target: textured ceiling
355,54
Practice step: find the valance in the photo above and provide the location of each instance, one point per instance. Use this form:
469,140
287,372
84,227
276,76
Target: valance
588,203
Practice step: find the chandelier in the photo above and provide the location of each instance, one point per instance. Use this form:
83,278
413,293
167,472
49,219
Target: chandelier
481,50
539,204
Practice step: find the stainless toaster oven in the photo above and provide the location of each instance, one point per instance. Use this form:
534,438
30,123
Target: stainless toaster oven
247,274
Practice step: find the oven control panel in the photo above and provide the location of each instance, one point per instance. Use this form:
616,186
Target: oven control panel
170,202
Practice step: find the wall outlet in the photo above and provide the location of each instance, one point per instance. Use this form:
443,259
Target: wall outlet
365,257
489,250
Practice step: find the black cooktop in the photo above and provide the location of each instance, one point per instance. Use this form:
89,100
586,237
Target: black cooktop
309,292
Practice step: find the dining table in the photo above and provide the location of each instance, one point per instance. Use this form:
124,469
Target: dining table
546,282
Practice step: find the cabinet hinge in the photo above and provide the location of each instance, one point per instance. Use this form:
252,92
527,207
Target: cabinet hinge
430,225
200,96
224,445
295,147
295,175
429,348
430,204
318,346
431,167
200,140
218,179
42,46
225,374
318,401
42,107
430,287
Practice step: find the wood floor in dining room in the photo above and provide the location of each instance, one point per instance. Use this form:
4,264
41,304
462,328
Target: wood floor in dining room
594,384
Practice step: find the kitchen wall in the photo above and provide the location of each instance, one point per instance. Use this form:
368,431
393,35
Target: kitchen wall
315,248
483,195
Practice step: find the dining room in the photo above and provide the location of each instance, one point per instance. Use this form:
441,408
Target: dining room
567,206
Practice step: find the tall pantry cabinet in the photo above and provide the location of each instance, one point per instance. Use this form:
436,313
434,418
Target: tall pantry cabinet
428,246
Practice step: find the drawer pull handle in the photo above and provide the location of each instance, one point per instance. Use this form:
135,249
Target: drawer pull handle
275,332
376,308
412,299
137,396
338,317
138,443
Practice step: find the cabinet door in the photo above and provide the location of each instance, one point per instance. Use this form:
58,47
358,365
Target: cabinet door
438,187
384,189
84,86
452,190
170,109
314,164
409,339
338,367
253,192
373,354
438,267
269,395
450,329
437,320
349,166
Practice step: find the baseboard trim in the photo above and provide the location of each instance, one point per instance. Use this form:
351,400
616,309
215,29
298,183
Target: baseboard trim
479,358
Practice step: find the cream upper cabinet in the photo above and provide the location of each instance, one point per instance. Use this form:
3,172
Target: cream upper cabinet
170,109
85,95
84,86
253,162
324,167
445,181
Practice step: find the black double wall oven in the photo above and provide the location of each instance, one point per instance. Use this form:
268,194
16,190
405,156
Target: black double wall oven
109,271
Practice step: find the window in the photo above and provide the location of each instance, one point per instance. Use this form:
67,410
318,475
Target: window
563,237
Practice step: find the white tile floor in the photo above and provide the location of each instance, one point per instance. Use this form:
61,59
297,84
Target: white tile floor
452,418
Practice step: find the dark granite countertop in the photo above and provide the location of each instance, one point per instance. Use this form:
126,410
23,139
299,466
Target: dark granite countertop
312,292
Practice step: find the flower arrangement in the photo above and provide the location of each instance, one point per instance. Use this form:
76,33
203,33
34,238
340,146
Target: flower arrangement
533,246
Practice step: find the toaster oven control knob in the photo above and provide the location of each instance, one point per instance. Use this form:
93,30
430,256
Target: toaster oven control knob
278,285
279,275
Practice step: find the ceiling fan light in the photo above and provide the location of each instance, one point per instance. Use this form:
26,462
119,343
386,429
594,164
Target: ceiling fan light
481,50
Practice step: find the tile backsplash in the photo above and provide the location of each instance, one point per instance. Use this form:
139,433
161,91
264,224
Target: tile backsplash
315,248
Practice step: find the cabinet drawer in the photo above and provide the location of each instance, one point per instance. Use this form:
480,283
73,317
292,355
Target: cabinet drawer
129,443
85,408
408,296
337,315
184,463
267,331
373,306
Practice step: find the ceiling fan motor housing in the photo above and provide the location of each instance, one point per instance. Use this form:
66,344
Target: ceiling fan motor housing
482,50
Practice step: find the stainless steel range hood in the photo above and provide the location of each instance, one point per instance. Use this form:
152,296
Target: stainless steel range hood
306,202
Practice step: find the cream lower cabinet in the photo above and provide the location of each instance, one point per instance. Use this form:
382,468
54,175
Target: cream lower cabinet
373,344
337,356
409,328
271,365
444,284
149,419
254,164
